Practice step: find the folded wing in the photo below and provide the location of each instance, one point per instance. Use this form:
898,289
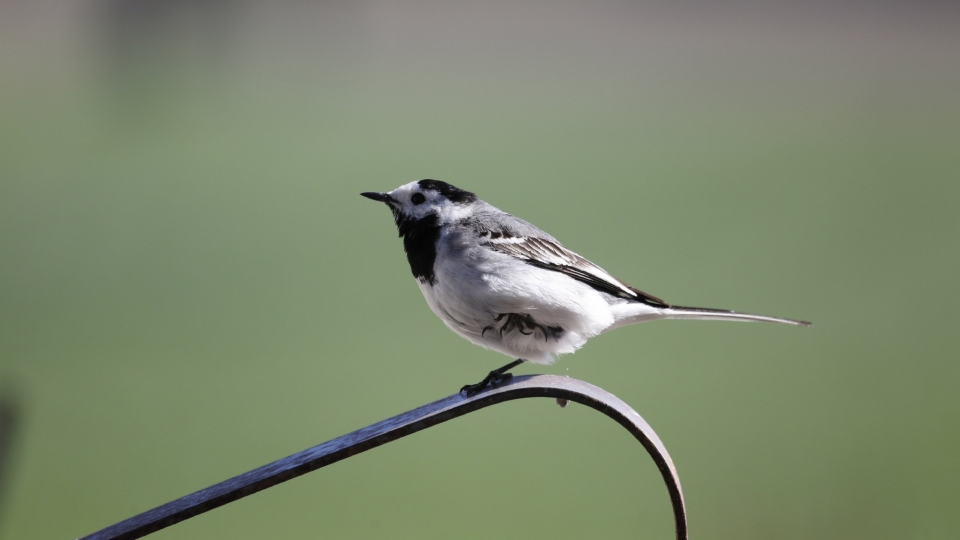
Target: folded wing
550,255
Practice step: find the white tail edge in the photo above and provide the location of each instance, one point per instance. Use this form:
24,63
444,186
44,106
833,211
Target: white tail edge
707,314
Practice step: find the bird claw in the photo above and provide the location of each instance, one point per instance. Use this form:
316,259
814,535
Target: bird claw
492,379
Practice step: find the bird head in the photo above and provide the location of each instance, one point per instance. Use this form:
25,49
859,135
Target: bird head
432,200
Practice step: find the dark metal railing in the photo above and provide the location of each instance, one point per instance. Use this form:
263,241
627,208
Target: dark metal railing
391,429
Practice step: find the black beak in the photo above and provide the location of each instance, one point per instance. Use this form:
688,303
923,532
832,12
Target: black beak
382,197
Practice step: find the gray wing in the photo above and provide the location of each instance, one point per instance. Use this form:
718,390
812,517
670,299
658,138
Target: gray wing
517,238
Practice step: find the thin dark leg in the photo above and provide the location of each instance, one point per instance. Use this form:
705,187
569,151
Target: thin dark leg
493,378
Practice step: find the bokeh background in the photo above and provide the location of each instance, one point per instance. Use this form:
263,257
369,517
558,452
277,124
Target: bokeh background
191,286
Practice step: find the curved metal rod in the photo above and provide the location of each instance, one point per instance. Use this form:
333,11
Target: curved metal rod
391,429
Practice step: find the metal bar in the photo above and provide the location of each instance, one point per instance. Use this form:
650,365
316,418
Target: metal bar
391,429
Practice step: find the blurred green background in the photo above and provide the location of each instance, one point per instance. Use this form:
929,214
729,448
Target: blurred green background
191,286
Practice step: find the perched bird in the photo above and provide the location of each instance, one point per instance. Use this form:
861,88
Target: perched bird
505,285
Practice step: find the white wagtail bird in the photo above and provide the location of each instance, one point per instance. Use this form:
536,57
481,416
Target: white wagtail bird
505,285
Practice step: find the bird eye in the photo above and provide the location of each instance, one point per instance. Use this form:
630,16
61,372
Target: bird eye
417,198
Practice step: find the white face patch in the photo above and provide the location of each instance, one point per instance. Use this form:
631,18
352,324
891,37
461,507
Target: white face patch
409,195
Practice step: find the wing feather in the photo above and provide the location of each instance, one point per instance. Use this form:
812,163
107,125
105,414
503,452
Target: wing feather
549,254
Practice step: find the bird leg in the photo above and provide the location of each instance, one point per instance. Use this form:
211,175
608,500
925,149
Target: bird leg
525,325
494,377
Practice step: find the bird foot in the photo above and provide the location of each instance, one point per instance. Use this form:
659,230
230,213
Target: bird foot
494,378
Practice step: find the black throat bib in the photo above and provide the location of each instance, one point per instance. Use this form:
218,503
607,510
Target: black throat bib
420,242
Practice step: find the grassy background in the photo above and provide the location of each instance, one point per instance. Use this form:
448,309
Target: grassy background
190,285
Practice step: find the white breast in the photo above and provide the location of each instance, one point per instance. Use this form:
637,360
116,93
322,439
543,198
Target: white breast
474,285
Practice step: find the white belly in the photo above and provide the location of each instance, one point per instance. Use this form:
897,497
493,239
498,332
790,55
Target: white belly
469,296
